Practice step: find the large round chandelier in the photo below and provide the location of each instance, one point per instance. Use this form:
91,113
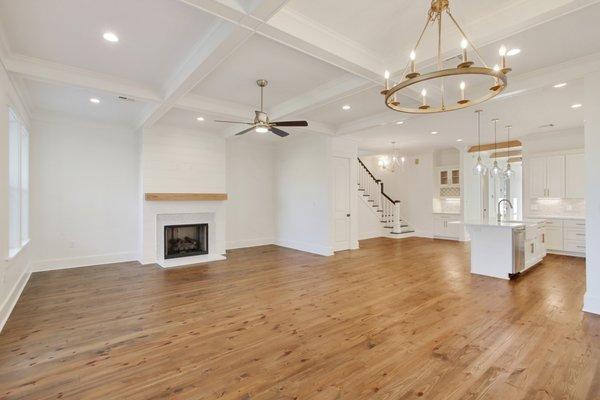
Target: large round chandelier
496,76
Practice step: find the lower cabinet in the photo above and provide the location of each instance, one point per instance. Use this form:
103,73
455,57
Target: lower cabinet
565,236
446,226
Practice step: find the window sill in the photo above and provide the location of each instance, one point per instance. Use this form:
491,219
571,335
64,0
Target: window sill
13,253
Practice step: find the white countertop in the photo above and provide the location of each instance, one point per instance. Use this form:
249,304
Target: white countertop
496,224
555,217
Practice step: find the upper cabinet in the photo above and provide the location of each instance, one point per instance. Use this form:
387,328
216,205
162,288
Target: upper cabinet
449,176
557,176
575,171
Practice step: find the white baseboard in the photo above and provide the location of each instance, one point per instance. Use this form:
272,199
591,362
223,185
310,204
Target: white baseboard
12,298
370,235
307,247
76,262
241,244
591,304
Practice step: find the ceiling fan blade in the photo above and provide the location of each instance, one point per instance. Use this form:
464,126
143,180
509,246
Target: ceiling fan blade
290,123
233,122
278,132
244,131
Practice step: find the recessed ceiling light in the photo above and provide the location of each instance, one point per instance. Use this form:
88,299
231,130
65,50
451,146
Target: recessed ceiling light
560,85
434,132
200,119
513,52
399,122
110,37
577,105
95,100
346,107
459,140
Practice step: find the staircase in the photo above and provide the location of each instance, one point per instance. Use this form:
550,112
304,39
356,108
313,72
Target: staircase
387,209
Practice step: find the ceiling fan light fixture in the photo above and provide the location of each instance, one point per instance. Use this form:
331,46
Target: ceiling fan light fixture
261,129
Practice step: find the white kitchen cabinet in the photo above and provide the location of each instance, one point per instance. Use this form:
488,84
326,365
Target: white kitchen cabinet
553,238
556,177
538,176
547,176
449,177
447,226
575,176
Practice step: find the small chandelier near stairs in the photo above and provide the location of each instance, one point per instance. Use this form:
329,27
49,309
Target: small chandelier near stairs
392,162
466,68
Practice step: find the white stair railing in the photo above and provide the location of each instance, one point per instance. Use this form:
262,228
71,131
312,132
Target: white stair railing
372,188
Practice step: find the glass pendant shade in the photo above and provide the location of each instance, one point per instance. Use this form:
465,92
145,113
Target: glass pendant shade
495,171
508,172
480,168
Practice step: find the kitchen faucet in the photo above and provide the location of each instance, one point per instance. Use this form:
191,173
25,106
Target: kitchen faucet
499,203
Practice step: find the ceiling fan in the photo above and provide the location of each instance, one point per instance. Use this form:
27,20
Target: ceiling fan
261,123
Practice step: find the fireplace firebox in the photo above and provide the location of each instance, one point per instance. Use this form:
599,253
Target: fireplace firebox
186,240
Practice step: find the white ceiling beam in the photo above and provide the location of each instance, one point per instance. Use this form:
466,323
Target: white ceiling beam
49,72
223,40
206,105
219,45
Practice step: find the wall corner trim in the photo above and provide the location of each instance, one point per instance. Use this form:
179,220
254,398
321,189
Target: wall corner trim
13,297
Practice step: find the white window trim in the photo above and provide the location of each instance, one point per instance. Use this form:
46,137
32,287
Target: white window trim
23,242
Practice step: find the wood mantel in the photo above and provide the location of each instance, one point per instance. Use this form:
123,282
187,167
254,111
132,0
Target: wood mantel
186,196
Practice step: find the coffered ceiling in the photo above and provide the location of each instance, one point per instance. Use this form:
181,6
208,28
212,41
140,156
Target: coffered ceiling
178,60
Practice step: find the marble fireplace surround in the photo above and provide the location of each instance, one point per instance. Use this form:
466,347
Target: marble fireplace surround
159,214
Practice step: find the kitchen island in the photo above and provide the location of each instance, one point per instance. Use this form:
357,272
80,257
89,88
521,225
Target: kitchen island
505,249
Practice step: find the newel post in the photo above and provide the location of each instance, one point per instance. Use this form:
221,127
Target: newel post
397,223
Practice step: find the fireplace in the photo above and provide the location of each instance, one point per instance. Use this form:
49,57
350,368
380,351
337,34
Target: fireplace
186,240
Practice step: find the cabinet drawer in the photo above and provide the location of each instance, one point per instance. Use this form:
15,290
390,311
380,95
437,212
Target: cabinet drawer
553,239
575,246
574,224
575,234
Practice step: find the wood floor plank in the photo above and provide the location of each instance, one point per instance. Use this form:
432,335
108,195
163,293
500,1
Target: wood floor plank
397,319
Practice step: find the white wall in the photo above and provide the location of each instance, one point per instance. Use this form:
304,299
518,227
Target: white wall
84,186
303,193
251,192
413,186
177,160
14,272
592,155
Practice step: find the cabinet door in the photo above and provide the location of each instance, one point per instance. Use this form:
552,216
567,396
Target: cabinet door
575,171
453,228
556,177
439,226
444,179
553,238
538,176
455,177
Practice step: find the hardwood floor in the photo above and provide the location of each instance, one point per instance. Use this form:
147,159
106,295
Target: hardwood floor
394,320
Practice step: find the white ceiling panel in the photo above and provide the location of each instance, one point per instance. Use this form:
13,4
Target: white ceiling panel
290,73
155,37
76,102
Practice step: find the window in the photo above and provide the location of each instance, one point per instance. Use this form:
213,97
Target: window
18,184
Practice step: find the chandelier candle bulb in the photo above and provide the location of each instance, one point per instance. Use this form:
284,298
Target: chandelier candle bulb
465,62
502,53
424,94
413,68
386,75
462,100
